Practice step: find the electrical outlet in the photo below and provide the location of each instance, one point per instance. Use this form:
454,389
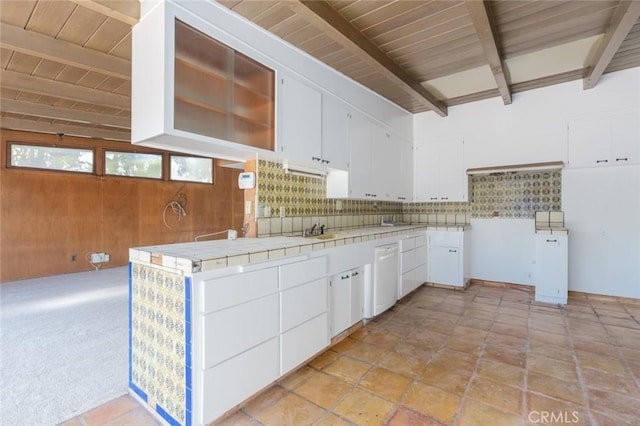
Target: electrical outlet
99,257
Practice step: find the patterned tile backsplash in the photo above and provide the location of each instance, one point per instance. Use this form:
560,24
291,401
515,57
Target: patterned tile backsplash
513,195
160,363
305,196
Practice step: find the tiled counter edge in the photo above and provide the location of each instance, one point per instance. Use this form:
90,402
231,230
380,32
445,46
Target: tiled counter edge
160,340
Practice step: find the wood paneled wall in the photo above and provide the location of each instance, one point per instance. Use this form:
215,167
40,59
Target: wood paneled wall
46,217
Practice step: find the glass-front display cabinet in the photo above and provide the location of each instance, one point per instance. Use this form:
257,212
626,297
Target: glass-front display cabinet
196,89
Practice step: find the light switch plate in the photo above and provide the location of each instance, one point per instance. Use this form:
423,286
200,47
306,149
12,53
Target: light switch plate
247,207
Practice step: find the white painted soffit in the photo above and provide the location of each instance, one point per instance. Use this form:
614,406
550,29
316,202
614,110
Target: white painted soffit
531,66
462,83
554,60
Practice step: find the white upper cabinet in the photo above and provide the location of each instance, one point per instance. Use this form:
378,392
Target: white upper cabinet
405,180
439,174
216,83
300,121
204,97
360,157
625,148
335,133
608,140
379,164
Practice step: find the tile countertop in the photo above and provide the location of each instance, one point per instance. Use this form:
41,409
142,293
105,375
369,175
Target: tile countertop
201,256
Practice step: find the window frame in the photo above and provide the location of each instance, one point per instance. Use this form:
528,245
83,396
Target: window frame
105,151
9,157
170,155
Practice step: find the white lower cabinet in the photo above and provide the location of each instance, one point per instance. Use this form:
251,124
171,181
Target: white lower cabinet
255,326
552,268
413,264
302,342
357,295
347,300
233,381
448,262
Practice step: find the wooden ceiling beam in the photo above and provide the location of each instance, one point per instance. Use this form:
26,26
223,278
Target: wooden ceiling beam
624,18
123,11
481,19
28,125
43,86
324,17
40,45
57,113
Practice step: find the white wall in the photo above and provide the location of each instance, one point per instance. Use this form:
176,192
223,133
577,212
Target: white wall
534,129
503,250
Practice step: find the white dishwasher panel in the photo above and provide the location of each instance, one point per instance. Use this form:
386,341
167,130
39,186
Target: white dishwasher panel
384,289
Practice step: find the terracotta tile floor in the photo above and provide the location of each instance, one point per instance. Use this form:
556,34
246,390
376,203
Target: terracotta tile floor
486,356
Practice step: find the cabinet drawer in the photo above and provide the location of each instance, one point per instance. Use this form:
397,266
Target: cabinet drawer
421,255
220,293
408,244
302,272
235,380
301,343
407,261
240,328
302,303
444,239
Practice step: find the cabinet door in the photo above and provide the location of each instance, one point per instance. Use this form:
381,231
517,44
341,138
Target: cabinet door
259,367
404,191
357,295
407,283
340,303
300,121
359,157
385,164
551,268
626,138
444,266
302,342
589,142
451,172
335,133
426,172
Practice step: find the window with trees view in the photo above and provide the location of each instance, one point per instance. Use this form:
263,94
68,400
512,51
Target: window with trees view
192,169
52,158
133,164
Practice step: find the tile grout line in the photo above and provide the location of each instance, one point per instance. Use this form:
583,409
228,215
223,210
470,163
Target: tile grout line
525,382
583,386
474,373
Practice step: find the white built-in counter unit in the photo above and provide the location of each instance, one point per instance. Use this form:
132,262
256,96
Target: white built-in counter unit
214,322
552,258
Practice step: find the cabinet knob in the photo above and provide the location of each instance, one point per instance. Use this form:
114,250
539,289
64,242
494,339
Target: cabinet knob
344,277
355,274
453,251
602,161
444,198
622,159
552,241
433,198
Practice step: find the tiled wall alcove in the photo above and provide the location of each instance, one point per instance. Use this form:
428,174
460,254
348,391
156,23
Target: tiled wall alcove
512,195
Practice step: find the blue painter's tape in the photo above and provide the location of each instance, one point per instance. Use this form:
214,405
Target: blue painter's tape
188,372
130,321
138,391
166,416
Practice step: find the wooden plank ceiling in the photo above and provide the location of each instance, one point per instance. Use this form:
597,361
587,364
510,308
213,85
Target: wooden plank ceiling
66,65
